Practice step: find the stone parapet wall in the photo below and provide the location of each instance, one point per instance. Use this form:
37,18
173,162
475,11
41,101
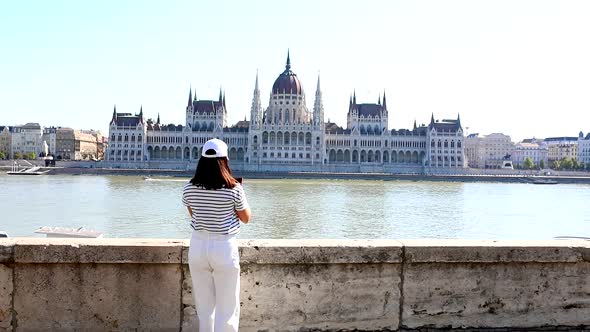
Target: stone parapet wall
300,285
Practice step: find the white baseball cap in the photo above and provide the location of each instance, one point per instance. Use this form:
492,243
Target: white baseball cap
215,144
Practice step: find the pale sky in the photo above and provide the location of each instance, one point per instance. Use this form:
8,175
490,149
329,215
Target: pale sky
517,67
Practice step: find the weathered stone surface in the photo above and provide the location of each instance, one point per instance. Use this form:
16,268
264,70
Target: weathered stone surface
91,297
301,285
189,317
320,251
190,322
6,251
6,288
134,251
496,295
294,297
424,251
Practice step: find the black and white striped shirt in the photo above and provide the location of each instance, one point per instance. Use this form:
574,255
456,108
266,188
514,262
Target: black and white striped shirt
214,210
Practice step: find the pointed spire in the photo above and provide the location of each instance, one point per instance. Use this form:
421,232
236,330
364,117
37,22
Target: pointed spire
288,66
244,117
384,102
415,126
224,100
141,113
350,102
256,84
432,119
115,113
195,95
318,87
220,95
158,121
458,118
354,97
379,100
190,95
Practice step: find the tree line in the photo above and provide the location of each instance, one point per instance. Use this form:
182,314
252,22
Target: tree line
568,164
18,155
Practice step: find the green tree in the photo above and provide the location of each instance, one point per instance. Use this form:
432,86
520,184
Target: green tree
31,156
2,155
528,163
556,165
541,164
575,164
18,155
566,163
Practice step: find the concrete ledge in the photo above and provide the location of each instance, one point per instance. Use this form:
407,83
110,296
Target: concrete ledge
300,285
320,251
131,251
488,251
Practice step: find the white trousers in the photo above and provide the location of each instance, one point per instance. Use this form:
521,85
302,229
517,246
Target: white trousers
214,263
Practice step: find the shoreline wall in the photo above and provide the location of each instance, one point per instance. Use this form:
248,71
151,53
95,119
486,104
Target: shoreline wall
300,285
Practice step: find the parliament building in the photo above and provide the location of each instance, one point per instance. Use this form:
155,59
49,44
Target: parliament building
288,136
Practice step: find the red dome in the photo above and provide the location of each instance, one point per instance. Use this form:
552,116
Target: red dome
287,82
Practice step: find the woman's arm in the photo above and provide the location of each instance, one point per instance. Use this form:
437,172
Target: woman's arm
190,211
244,215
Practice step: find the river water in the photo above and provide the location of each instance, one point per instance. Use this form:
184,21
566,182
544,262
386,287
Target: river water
126,206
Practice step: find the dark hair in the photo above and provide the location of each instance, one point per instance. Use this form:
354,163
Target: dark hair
213,173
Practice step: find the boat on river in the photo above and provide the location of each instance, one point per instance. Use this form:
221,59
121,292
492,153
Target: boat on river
27,171
544,181
68,232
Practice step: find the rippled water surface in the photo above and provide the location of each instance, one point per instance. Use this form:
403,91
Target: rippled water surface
123,206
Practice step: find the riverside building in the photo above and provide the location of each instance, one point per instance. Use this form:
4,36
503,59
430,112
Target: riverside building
584,148
488,151
288,136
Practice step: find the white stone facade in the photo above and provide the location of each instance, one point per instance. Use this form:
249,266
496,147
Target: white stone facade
584,148
536,150
488,151
287,136
50,137
27,139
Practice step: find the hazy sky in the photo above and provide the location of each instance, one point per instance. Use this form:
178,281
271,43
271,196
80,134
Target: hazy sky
517,67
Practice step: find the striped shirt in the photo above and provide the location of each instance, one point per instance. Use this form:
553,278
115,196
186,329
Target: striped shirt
214,210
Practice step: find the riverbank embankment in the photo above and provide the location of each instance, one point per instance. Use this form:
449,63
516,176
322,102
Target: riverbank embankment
300,285
582,178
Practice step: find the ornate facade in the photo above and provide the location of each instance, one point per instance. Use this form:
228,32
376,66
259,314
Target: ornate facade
288,136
